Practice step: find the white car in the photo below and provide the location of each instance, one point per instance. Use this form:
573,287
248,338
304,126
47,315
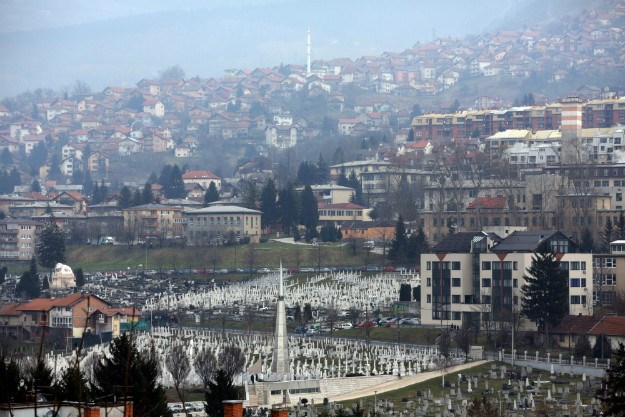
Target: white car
345,325
413,321
264,271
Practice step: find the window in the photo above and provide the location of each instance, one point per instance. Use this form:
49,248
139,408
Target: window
455,266
429,298
575,266
515,283
455,282
456,315
429,265
575,299
455,299
429,282
575,282
486,266
485,282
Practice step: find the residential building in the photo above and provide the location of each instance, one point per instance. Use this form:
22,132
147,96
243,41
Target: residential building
281,136
153,220
18,238
340,213
472,277
219,224
203,178
68,317
609,274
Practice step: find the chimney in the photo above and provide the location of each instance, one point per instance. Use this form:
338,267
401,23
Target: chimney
128,409
92,412
233,408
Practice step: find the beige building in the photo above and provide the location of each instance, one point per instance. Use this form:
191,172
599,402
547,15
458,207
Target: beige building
18,238
203,178
153,220
471,277
220,224
609,274
341,213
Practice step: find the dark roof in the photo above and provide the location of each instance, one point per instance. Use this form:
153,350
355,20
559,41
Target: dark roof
457,243
529,241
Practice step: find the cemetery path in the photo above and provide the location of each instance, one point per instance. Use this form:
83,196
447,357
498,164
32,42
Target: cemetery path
404,381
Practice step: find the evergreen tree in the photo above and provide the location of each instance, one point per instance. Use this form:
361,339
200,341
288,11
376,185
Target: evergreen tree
621,227
354,183
338,157
15,179
211,195
50,249
28,286
587,244
87,184
603,347
614,399
95,194
307,173
80,277
269,204
175,187
55,171
399,244
126,372
288,207
35,187
147,197
11,390
323,171
309,212
328,233
250,194
164,178
3,273
608,234
342,179
405,292
124,199
102,195
41,380
6,157
545,294
137,198
73,386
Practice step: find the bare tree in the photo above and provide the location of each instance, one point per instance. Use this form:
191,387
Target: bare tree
231,361
178,365
462,337
205,366
213,255
331,316
250,258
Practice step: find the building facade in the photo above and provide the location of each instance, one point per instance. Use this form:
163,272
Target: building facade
472,277
217,225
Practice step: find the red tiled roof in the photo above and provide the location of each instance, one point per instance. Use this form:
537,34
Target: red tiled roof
198,175
10,310
488,203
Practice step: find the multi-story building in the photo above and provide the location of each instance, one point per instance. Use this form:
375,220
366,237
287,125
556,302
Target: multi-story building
595,114
471,277
220,224
609,274
203,178
340,213
18,238
153,220
69,317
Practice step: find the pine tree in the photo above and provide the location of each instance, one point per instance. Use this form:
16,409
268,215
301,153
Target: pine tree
608,234
95,194
128,372
124,199
50,249
399,244
621,227
175,187
80,277
269,204
211,195
137,198
28,286
587,243
147,197
35,187
545,294
250,194
342,179
323,171
309,211
354,183
614,399
288,207
73,385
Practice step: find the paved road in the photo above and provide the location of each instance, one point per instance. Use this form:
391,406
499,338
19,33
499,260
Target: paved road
406,380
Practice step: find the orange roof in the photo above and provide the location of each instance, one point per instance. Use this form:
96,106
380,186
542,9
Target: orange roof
38,304
10,310
488,203
340,206
199,175
592,325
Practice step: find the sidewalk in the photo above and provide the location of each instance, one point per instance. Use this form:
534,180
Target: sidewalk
404,381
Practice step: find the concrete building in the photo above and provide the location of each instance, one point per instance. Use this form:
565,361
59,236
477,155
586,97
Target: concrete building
219,224
471,277
153,220
609,274
18,238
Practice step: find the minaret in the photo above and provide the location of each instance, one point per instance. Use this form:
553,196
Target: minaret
308,72
280,362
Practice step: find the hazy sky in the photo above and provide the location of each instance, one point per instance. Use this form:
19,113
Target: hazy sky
46,43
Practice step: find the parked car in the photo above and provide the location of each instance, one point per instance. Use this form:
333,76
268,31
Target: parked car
264,271
391,323
312,331
301,330
345,325
389,269
412,321
386,320
366,324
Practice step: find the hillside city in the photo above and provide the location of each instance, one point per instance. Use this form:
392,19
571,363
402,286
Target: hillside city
463,170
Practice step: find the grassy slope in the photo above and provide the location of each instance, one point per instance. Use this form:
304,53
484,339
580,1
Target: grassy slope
100,258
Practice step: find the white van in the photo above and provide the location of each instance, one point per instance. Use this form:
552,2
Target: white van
107,240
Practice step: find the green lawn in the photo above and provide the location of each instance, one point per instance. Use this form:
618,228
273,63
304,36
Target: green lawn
121,257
